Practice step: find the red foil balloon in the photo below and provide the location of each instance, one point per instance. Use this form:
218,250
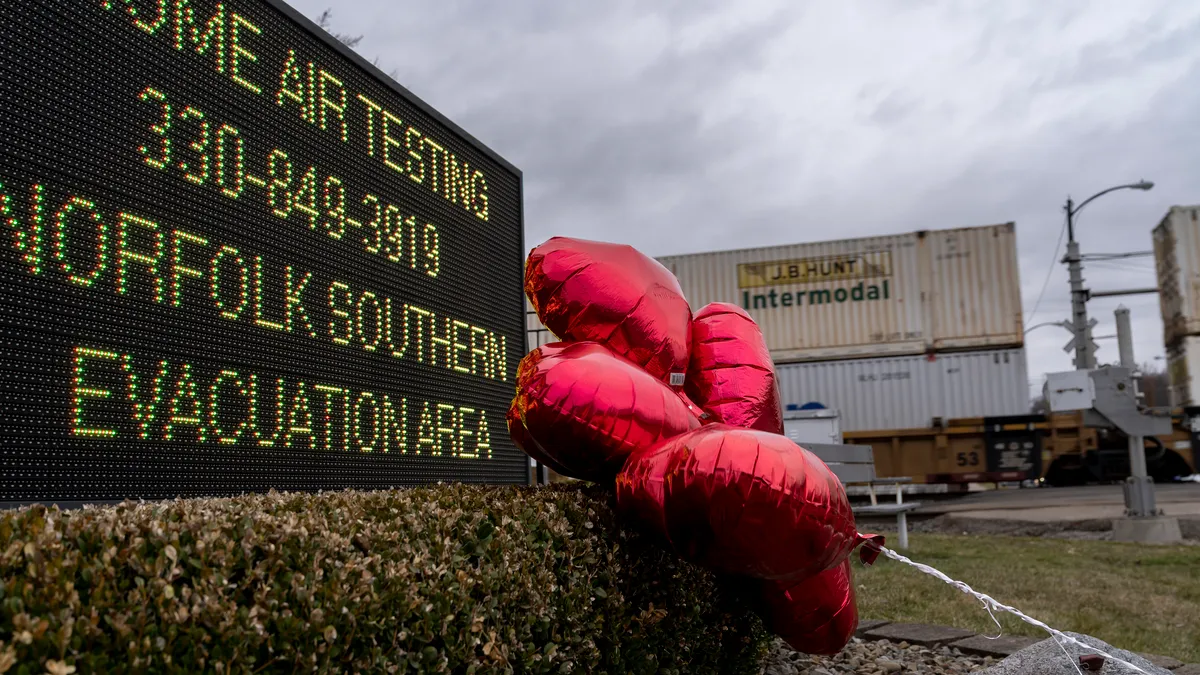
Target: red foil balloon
610,293
817,615
731,375
740,502
581,410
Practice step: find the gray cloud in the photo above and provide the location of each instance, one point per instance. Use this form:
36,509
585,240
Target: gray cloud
894,108
684,126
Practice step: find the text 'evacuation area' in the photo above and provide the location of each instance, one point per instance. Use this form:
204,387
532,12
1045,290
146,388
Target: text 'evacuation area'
123,397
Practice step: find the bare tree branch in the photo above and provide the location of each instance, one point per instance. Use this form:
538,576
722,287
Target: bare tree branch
1039,406
393,73
325,19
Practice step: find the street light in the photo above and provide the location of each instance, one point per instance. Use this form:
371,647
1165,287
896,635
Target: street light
1060,324
1073,210
1084,358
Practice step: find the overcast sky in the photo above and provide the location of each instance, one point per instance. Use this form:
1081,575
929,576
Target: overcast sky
689,125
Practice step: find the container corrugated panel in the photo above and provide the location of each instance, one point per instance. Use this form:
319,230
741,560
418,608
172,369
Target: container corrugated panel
979,384
877,296
908,392
975,292
1177,265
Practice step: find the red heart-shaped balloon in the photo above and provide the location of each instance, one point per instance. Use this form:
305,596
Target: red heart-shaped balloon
730,374
581,409
817,615
740,502
610,293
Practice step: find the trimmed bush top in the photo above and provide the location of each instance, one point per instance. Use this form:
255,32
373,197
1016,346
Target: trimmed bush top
438,579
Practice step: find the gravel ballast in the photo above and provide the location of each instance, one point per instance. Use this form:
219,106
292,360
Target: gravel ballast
883,657
874,657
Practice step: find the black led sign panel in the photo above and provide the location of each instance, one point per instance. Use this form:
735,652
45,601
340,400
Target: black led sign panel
236,257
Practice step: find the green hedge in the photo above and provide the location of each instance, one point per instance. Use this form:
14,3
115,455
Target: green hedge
443,579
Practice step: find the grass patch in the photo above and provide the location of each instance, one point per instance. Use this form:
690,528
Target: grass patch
1140,598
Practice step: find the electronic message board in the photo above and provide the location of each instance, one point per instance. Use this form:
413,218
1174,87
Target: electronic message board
236,257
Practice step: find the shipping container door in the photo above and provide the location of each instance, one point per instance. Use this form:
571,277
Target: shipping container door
974,290
983,384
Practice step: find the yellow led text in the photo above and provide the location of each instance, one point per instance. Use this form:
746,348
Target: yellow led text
205,153
151,261
405,150
177,401
227,38
238,48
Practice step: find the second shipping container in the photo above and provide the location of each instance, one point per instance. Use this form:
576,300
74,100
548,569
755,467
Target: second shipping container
909,392
900,392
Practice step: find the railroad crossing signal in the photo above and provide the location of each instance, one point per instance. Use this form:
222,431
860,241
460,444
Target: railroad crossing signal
1070,346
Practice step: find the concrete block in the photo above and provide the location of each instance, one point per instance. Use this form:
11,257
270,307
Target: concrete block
869,625
1156,530
1001,647
917,634
1047,658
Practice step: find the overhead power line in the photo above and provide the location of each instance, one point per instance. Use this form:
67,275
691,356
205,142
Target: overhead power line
1116,256
1049,271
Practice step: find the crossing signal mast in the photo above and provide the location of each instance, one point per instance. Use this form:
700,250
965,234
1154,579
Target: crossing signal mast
1108,396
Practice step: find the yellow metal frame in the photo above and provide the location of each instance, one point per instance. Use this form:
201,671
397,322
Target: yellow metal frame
958,447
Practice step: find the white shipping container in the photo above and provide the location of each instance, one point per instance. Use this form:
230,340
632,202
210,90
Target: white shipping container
812,426
901,294
1177,265
908,392
1183,371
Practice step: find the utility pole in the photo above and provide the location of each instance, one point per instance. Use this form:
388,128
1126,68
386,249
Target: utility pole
1085,357
1108,396
1085,348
